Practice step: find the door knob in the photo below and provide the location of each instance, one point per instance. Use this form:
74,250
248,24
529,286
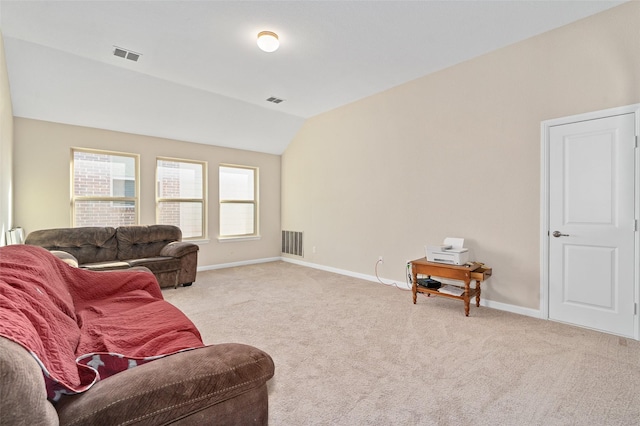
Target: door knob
559,234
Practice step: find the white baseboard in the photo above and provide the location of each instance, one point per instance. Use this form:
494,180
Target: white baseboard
240,263
483,302
535,313
402,285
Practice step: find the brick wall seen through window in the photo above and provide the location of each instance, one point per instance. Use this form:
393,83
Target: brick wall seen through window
104,188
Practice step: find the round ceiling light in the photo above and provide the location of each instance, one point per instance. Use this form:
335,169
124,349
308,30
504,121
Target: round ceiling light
268,41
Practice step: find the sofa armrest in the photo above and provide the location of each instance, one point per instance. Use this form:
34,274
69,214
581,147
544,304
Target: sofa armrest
23,396
68,258
210,384
178,249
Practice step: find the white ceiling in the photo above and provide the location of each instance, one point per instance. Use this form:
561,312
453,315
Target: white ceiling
201,77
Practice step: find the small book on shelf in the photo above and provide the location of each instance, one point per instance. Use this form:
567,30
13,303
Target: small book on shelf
451,289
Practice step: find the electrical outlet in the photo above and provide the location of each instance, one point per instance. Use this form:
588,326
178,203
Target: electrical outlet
380,259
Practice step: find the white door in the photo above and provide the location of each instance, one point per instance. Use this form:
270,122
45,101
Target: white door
592,223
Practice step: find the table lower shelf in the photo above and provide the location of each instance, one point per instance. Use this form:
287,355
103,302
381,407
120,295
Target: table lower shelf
430,291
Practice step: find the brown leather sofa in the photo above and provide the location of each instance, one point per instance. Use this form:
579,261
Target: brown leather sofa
158,247
222,384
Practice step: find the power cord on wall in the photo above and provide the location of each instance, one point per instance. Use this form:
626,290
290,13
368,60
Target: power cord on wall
393,283
408,275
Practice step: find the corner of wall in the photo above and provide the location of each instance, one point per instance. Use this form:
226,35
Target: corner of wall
6,148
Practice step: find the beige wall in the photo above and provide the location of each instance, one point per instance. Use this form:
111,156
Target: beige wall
6,148
42,182
455,153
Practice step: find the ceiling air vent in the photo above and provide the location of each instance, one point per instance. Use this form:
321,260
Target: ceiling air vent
274,100
126,54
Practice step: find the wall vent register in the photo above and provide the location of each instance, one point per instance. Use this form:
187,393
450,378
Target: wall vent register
292,243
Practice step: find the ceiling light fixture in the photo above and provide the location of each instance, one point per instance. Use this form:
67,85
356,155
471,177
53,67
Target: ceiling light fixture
268,41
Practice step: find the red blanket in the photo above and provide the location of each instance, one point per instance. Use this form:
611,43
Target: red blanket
83,326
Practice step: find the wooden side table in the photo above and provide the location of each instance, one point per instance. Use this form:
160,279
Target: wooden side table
477,272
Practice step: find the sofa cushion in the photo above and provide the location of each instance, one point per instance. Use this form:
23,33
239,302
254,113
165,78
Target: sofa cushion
139,241
110,265
156,264
86,244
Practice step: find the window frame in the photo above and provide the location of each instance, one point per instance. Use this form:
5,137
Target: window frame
75,198
256,191
202,200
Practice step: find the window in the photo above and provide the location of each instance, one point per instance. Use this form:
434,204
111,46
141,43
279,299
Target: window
180,195
238,201
104,188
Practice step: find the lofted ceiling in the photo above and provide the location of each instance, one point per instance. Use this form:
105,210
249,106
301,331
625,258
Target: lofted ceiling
201,77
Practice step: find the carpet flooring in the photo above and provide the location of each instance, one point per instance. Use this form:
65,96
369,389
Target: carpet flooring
354,352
